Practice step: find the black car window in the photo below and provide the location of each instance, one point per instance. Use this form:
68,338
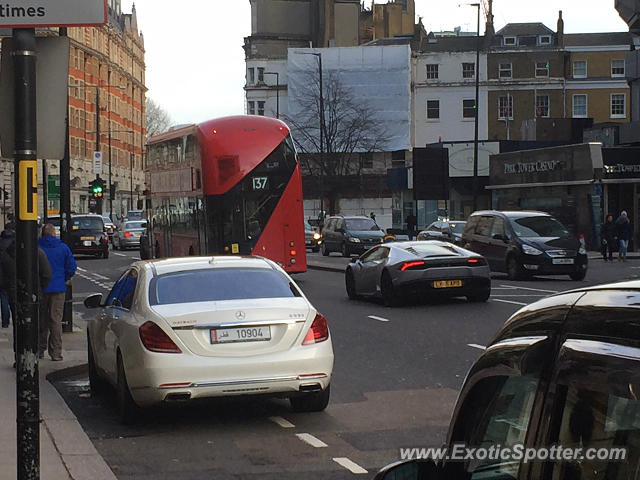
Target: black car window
484,226
471,224
216,284
497,412
366,257
457,227
538,226
123,290
134,225
339,224
597,406
87,223
497,228
378,253
360,224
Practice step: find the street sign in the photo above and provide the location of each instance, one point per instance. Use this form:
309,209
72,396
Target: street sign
53,188
52,76
97,163
56,13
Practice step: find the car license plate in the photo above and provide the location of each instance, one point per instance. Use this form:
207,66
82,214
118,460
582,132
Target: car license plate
86,238
87,243
136,234
243,334
562,261
447,283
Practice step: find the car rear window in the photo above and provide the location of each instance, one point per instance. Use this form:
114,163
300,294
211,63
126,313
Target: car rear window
132,225
457,227
431,250
218,284
87,223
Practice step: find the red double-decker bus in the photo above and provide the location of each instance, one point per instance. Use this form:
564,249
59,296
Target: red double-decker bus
227,186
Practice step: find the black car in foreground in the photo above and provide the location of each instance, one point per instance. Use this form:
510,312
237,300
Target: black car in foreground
89,236
563,372
523,244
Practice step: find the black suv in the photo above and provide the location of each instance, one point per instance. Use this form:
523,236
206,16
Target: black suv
564,371
350,235
525,243
89,235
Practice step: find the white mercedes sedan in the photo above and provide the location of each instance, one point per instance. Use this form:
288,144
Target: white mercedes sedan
178,329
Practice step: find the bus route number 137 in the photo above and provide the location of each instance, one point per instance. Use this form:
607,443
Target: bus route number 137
260,183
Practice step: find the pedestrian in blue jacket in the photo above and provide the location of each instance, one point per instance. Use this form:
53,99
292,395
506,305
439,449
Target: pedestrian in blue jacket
63,267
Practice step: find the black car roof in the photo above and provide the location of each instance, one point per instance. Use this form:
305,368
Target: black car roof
613,297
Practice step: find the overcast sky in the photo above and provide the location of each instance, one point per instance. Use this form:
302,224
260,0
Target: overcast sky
195,60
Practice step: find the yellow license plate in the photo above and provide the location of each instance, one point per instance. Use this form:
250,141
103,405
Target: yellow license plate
86,238
447,283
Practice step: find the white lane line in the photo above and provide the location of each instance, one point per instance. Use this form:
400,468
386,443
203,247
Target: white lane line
508,301
349,465
100,277
503,288
521,295
311,440
531,289
80,269
475,345
282,422
119,254
373,317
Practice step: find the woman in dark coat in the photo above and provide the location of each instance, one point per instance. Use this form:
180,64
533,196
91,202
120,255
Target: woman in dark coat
624,231
608,238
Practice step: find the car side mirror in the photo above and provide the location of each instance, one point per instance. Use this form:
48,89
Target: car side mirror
411,470
93,301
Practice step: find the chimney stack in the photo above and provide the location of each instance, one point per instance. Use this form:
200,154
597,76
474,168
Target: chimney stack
489,29
560,29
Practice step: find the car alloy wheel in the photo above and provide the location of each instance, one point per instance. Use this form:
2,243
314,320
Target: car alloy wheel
350,283
311,402
579,275
389,295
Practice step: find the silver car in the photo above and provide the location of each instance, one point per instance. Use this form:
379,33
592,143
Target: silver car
128,234
397,270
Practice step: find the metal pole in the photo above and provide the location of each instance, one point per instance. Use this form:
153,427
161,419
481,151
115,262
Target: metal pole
475,126
131,180
65,213
26,186
45,193
110,192
319,56
277,95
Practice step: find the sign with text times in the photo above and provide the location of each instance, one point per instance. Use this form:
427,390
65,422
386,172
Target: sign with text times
52,13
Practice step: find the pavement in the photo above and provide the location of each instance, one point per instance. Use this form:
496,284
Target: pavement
66,452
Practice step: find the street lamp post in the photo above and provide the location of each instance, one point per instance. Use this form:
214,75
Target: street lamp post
475,126
277,91
110,189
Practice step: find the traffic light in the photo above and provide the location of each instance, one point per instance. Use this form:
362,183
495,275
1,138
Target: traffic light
96,188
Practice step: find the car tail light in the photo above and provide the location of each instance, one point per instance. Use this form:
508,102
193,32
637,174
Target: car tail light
409,265
156,340
476,261
127,234
318,332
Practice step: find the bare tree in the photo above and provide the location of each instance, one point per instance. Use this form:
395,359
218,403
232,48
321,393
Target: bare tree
350,128
157,118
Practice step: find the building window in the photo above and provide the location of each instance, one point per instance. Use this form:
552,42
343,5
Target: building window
580,69
251,108
251,76
432,71
468,70
260,74
545,39
542,69
618,104
505,70
580,106
397,159
433,109
260,108
468,108
542,106
366,160
509,40
617,68
505,108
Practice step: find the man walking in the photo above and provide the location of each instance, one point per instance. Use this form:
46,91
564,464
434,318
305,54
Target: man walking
63,267
608,237
624,232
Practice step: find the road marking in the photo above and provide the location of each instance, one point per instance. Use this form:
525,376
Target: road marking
101,277
119,254
80,269
508,301
282,422
531,289
311,440
475,345
349,465
520,295
378,318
